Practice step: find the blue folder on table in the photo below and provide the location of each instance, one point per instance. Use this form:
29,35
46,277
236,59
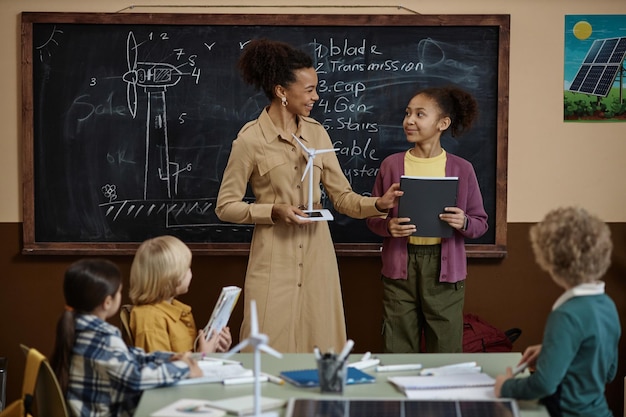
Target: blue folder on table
310,378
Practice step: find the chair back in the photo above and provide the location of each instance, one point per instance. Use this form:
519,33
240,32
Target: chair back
125,319
48,399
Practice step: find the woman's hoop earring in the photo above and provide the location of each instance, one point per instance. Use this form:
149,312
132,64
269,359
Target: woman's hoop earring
284,101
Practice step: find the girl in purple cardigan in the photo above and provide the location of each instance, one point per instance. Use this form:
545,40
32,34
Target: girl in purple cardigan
424,277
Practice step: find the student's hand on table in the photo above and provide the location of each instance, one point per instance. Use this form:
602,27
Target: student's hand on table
497,388
224,340
288,214
454,216
399,227
194,369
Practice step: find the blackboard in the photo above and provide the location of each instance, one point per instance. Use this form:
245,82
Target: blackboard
128,118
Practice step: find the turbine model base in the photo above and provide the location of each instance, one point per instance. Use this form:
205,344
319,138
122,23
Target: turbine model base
318,215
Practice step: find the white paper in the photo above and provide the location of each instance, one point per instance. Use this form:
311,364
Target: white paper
245,405
466,380
476,393
187,407
218,373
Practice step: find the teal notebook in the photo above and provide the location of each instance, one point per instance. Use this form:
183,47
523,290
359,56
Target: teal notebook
309,377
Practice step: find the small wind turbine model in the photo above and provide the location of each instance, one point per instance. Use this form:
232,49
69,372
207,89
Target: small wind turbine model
258,341
322,214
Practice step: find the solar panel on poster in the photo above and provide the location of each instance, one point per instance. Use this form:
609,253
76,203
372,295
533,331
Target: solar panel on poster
597,73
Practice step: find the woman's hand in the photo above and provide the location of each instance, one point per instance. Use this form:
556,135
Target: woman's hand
400,227
390,198
288,214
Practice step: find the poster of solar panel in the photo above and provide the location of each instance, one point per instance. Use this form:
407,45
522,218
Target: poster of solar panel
594,76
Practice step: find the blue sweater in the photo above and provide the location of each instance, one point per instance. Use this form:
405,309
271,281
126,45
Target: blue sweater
579,353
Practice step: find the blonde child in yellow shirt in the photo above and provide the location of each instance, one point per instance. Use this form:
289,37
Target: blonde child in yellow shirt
161,271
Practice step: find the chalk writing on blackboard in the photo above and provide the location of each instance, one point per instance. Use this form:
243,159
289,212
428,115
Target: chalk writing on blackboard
133,117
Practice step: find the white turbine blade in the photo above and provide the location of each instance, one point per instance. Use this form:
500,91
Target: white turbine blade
301,144
271,351
254,322
306,169
325,150
237,348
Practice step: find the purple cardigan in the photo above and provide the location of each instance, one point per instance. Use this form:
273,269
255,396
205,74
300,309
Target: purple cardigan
469,199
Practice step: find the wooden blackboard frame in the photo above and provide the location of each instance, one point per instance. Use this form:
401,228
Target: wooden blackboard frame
497,249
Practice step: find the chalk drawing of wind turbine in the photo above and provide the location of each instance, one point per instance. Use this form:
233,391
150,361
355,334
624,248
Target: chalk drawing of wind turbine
258,341
322,214
154,78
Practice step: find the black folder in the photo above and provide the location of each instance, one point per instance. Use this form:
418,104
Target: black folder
424,200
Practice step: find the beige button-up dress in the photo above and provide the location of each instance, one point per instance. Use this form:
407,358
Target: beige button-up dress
292,270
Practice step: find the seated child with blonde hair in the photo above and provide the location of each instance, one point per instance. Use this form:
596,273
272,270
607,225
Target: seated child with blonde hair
579,353
161,271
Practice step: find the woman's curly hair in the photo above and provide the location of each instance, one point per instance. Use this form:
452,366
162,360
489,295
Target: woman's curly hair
266,63
572,245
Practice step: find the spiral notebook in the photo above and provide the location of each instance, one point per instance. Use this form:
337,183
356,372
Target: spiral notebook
442,381
310,378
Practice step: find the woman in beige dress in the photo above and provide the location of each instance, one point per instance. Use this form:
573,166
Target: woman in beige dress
292,270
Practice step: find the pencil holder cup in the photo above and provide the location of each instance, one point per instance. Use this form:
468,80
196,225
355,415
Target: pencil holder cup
332,374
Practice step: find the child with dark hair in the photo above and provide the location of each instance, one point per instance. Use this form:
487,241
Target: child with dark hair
424,277
100,375
579,353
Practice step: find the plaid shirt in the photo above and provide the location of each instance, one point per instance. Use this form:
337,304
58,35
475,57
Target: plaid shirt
106,377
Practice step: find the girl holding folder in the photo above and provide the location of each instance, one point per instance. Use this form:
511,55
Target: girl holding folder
424,277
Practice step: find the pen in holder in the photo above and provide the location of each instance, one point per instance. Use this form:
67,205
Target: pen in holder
332,371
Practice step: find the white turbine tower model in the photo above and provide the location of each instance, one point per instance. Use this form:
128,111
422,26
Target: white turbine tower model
313,214
258,341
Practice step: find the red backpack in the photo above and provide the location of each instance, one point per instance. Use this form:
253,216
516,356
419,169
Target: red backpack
480,336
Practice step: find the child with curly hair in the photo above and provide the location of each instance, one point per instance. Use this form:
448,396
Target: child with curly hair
578,356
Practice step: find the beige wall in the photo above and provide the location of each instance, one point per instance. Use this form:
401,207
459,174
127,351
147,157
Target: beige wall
551,163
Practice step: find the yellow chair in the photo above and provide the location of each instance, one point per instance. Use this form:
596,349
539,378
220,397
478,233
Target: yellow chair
48,399
125,319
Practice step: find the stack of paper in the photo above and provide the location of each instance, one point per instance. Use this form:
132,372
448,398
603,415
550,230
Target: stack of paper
469,385
442,381
455,368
